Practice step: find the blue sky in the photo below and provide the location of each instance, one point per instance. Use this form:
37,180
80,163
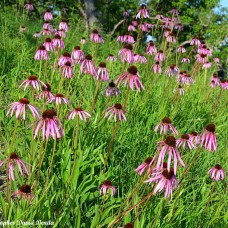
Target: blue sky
224,3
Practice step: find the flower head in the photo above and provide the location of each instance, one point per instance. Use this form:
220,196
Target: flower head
66,57
24,192
195,137
111,89
49,125
59,99
58,42
11,162
146,165
63,25
179,90
107,185
143,13
169,145
214,81
48,16
209,138
102,72
32,81
126,54
41,54
88,66
166,181
80,112
150,48
83,40
29,6
66,70
117,112
217,173
130,77
46,93
111,58
165,126
20,109
48,44
185,140
77,54
157,68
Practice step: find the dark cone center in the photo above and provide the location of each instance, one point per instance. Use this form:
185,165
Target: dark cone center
88,57
42,48
50,114
77,48
32,78
217,166
210,128
118,106
171,141
78,109
59,95
48,40
25,188
148,160
47,87
13,156
24,101
167,174
112,84
132,70
166,120
108,183
185,136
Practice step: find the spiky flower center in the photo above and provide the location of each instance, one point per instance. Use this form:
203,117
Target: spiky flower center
173,66
164,165
193,133
108,183
57,36
170,141
215,75
168,175
59,95
166,120
210,127
48,11
64,20
68,64
179,86
88,57
47,87
128,46
143,6
48,40
66,54
77,48
102,64
118,106
217,166
49,114
112,84
78,109
151,43
25,188
128,225
185,136
42,48
32,78
161,52
111,55
13,156
132,70
148,160
95,31
24,101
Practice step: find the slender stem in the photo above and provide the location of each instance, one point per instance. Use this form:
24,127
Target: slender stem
103,204
110,146
95,96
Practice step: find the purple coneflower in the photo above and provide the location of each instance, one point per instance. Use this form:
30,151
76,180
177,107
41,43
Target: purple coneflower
131,77
172,70
66,70
46,93
128,39
46,32
24,192
181,49
20,109
49,45
29,6
186,79
41,54
49,125
171,38
66,57
80,112
47,25
223,84
214,81
207,65
166,181
94,37
48,16
131,28
102,72
120,39
185,60
146,165
31,81
160,56
77,54
209,138
63,25
111,89
61,33
195,137
179,27
126,54
106,186
143,13
126,13
165,126
184,141
83,40
217,173
117,112
134,23
169,145
88,66
195,41
174,11
58,42
59,98
140,59
179,90
11,161
157,68
217,61
143,27
159,16
128,225
36,34
111,58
